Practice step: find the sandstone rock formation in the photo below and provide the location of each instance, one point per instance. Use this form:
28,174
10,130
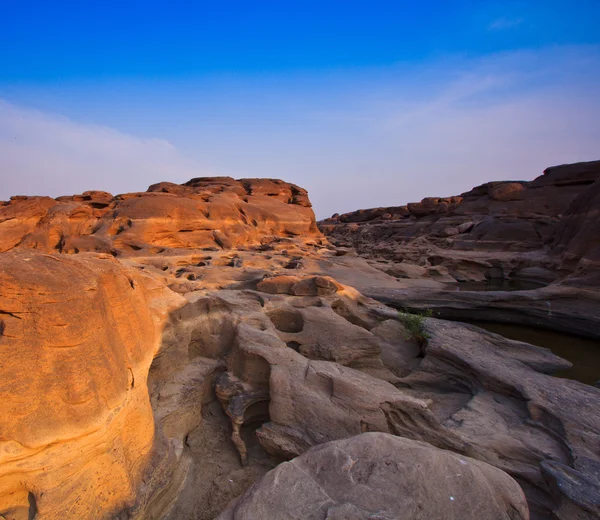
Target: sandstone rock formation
77,337
531,233
206,212
182,343
376,475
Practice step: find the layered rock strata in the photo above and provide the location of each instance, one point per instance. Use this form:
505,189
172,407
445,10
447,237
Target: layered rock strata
77,338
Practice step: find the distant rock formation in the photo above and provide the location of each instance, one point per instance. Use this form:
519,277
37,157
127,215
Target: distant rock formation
577,239
501,216
205,212
545,231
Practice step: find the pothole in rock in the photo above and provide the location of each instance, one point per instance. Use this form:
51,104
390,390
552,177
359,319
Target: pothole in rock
216,475
294,345
212,336
287,320
341,309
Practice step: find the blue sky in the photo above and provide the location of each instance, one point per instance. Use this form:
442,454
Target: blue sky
363,103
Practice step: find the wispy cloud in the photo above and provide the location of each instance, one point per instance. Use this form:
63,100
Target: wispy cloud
47,154
501,24
354,139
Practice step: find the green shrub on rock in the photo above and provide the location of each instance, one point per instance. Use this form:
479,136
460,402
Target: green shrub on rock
414,323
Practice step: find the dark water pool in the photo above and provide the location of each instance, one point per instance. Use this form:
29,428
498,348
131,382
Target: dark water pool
497,284
582,352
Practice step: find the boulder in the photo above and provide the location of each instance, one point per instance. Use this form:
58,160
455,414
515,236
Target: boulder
316,286
377,475
278,284
506,190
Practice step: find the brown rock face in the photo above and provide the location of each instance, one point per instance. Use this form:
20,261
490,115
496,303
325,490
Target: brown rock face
506,191
375,475
202,213
77,337
433,205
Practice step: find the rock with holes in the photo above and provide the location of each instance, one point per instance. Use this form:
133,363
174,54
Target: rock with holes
309,286
376,475
202,213
468,391
314,401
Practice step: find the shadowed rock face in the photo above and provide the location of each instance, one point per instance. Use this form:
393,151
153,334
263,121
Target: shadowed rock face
577,239
163,382
497,216
471,392
205,212
544,231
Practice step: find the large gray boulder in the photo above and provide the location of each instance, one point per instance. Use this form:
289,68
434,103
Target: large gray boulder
384,477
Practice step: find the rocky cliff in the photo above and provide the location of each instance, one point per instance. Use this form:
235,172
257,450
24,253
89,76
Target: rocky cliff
163,351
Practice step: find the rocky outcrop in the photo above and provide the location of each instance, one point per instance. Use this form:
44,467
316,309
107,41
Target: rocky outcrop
303,369
470,392
577,239
375,475
528,233
501,216
206,212
77,337
161,381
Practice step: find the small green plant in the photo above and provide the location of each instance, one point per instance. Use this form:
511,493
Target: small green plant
414,323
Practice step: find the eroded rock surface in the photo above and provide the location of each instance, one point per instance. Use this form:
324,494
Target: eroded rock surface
543,232
77,337
207,212
376,475
161,380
